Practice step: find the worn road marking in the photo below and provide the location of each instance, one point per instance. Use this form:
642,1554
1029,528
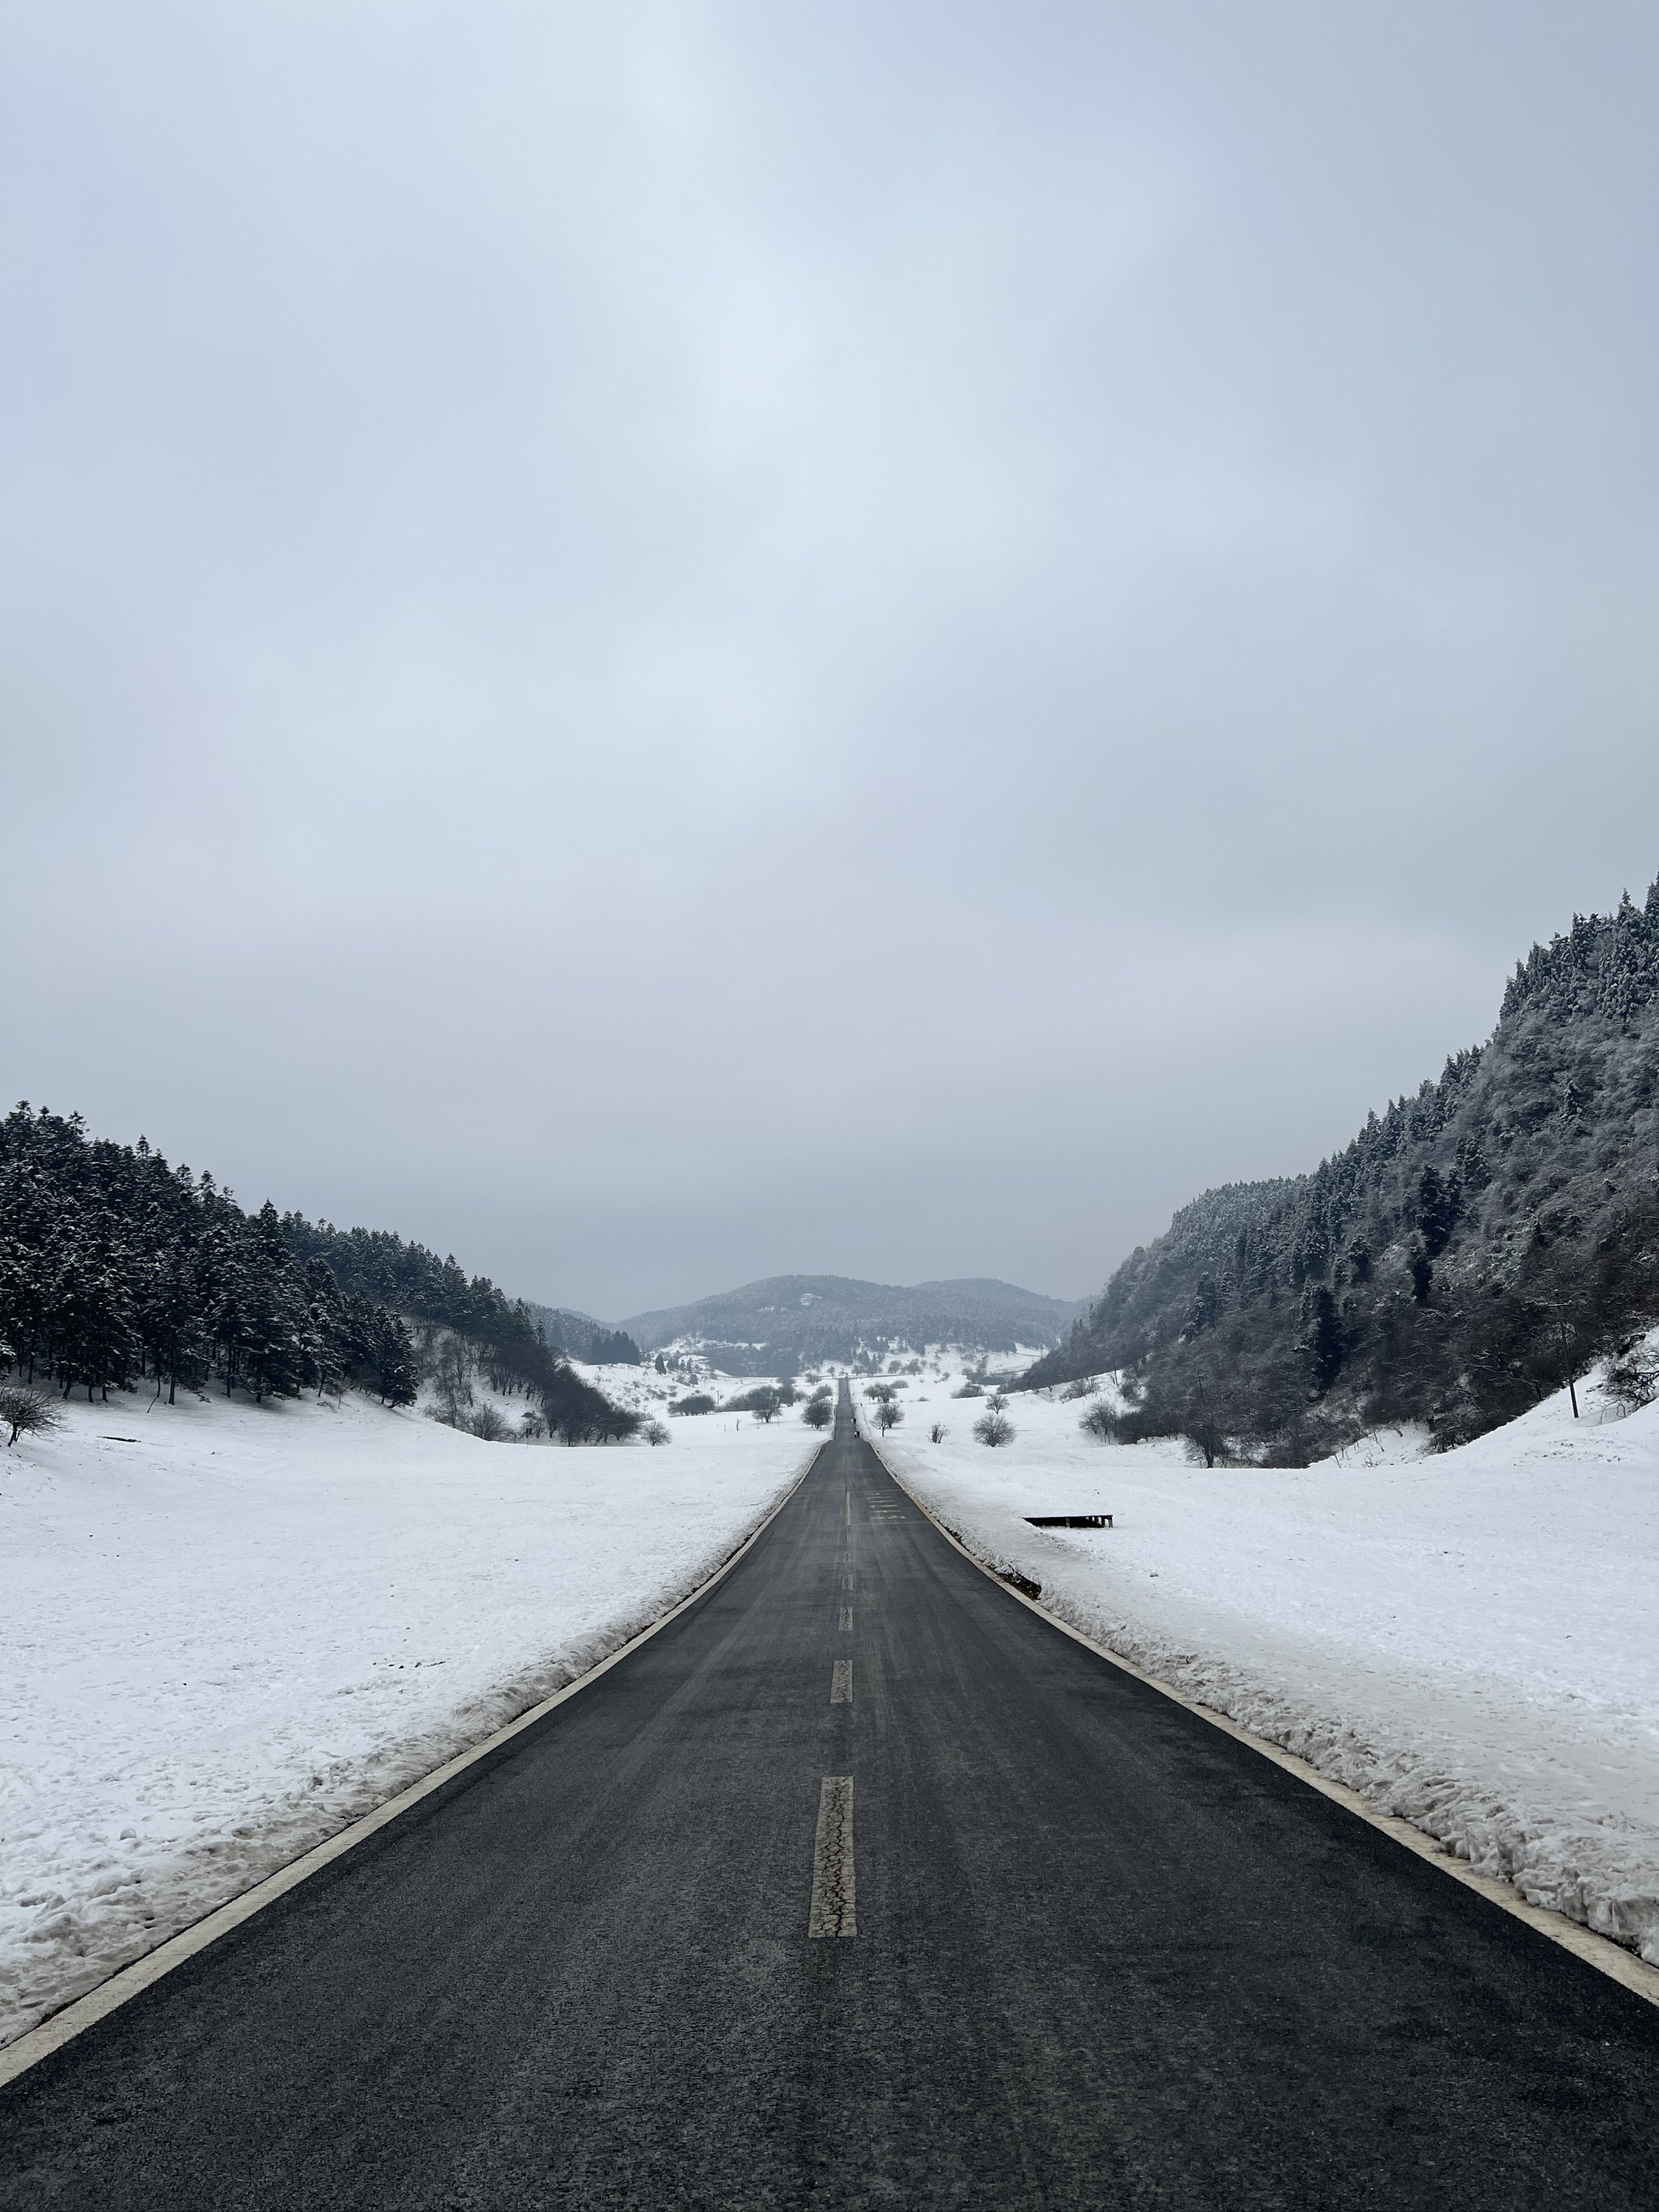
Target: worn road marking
847,1616
841,1682
832,1913
849,1505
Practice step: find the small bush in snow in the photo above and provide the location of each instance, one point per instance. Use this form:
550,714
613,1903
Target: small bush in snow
1101,1422
816,1413
698,1402
995,1428
970,1389
26,1413
763,1401
655,1432
937,1433
1086,1385
488,1425
1632,1379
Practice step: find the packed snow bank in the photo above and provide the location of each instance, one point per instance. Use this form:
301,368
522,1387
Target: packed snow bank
227,1631
1469,1641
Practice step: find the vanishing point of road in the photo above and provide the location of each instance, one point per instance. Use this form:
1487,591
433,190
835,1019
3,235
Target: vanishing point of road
859,1885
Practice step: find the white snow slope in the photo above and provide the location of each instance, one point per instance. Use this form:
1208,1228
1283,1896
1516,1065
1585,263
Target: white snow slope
227,1631
1468,1641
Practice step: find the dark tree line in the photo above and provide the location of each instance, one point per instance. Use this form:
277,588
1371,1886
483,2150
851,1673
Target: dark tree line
583,1337
1475,1248
117,1268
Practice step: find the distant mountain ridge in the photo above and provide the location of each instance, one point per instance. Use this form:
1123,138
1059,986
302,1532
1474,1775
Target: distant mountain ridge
1475,1247
790,1321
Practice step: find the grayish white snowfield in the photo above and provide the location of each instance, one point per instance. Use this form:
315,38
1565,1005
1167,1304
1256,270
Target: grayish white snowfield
1467,1640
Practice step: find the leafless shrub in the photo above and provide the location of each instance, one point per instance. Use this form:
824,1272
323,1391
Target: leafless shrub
1100,1422
995,1428
26,1413
1633,1377
488,1425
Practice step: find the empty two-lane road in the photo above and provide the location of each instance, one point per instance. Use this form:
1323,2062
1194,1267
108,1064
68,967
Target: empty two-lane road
860,1885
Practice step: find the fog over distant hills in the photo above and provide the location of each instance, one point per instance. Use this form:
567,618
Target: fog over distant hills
788,1322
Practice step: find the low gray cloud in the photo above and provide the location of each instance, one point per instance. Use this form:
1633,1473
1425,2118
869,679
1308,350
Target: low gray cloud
667,643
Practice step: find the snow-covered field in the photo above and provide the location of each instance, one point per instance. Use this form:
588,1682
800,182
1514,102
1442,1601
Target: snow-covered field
1470,1641
226,1630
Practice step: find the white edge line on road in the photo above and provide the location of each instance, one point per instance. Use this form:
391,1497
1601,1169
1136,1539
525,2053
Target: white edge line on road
1607,1957
61,2027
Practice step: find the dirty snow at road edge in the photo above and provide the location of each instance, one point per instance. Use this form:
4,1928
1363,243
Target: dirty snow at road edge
228,1630
1470,1640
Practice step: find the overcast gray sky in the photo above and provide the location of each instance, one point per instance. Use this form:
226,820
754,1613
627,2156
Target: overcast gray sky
660,644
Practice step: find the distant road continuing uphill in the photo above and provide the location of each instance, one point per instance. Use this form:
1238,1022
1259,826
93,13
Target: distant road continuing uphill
860,1885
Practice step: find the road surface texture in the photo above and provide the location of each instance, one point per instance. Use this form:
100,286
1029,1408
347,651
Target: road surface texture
861,1885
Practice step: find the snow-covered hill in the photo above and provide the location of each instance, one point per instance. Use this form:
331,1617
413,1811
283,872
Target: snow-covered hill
1469,1640
228,1630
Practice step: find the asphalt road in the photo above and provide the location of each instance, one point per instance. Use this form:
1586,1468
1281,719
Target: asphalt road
1104,1956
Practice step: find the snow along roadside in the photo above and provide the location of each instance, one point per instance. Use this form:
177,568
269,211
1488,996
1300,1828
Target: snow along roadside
1598,1951
1466,1642
130,1981
251,1628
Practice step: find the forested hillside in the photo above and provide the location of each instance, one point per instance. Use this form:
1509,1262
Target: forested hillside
790,1321
583,1337
1474,1248
116,1267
